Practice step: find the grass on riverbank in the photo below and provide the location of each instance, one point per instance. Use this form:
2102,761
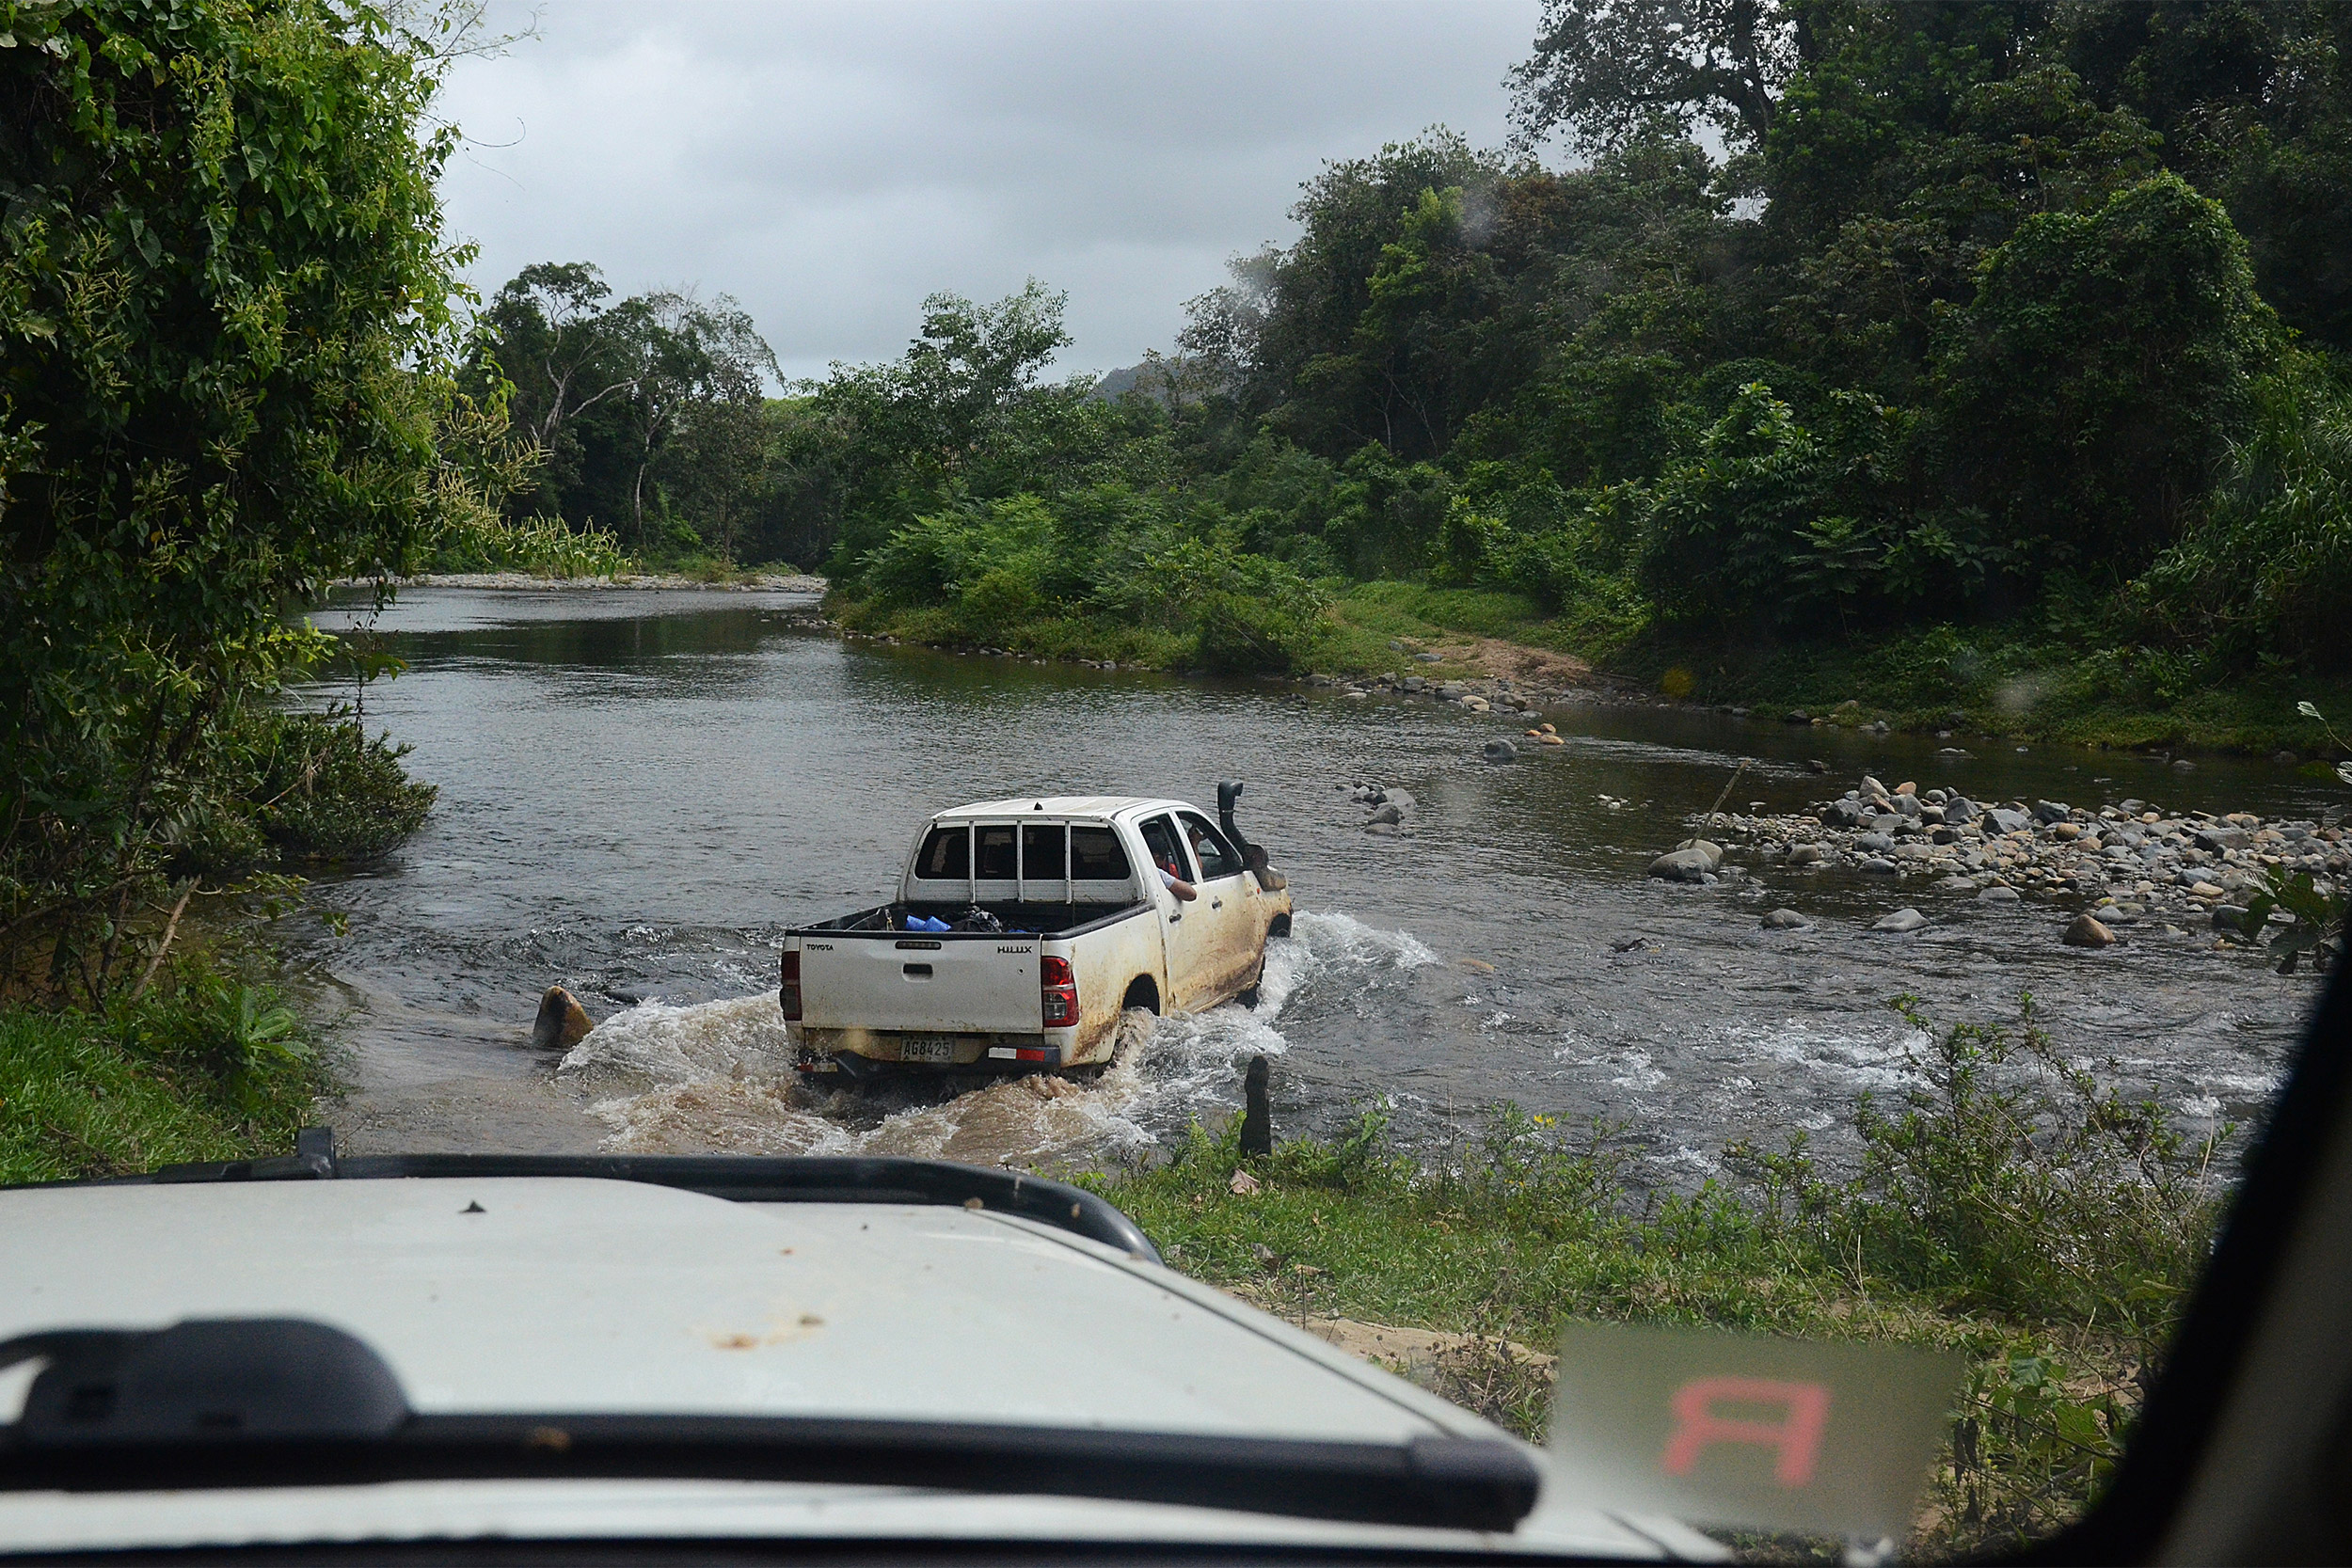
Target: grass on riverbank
2018,679
2010,1207
209,1064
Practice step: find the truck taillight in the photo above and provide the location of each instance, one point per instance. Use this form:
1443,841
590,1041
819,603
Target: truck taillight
1061,989
789,993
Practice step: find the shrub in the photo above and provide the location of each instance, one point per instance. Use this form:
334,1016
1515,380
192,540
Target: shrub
543,546
205,1066
2267,571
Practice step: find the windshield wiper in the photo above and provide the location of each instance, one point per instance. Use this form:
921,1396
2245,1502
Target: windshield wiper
268,1402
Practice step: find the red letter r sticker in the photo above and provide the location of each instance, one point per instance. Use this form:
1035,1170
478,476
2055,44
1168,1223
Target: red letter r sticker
1797,1436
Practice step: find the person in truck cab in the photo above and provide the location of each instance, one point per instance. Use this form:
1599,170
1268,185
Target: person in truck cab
1165,858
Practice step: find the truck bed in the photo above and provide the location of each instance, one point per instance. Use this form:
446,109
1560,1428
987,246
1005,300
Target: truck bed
1033,919
867,973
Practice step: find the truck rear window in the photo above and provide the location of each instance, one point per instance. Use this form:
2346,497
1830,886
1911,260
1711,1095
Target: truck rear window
1042,853
1095,856
945,856
995,841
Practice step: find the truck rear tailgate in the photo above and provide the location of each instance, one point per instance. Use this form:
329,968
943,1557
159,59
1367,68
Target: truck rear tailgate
952,984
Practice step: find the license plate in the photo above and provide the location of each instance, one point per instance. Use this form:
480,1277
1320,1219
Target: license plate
926,1048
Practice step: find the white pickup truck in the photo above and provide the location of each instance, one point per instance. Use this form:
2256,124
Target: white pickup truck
1024,931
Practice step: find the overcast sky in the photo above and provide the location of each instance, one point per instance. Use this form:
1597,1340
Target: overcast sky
830,164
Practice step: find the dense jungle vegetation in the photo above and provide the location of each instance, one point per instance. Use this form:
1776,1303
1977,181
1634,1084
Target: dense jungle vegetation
229,363
1894,349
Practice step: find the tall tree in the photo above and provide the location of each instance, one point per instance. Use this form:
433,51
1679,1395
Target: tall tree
684,360
1604,72
547,331
225,340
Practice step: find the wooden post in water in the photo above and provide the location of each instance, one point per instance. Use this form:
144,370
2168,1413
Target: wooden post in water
1257,1117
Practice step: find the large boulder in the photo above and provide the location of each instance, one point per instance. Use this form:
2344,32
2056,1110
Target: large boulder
1499,750
2052,811
2087,932
1785,920
1693,863
562,1023
1901,921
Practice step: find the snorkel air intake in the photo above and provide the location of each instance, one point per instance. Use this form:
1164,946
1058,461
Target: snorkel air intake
1252,855
1226,795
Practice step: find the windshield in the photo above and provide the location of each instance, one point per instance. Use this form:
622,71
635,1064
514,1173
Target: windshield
1469,678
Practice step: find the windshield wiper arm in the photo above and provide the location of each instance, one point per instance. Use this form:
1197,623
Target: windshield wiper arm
258,1403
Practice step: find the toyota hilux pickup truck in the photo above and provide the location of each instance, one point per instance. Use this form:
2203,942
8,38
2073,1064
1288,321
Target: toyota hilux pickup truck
1024,932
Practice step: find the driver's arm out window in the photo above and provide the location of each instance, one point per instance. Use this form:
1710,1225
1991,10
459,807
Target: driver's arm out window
1160,837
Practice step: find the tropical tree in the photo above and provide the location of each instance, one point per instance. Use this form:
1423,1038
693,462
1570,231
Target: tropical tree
226,343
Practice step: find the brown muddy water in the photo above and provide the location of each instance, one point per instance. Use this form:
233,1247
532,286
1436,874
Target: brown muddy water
640,792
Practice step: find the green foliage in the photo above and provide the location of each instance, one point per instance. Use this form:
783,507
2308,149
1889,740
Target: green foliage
2012,1180
2034,1445
204,1067
2268,570
2318,920
1769,520
990,574
648,415
226,352
321,790
2110,354
542,546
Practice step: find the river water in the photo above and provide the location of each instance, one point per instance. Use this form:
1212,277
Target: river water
641,791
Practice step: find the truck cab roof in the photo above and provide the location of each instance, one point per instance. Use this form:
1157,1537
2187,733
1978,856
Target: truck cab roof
1103,807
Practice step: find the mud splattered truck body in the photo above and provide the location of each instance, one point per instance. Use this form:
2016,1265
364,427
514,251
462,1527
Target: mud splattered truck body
1024,931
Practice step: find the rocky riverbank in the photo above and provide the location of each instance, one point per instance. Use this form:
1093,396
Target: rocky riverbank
2122,862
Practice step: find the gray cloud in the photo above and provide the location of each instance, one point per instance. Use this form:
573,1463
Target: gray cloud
830,165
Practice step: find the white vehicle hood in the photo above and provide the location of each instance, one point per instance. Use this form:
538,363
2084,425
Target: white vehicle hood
541,1295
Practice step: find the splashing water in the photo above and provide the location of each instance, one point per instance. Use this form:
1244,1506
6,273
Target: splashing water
717,1077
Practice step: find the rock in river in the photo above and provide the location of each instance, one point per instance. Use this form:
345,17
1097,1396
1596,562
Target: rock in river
1499,750
1785,920
1808,854
1899,922
562,1023
1388,813
1999,893
1693,860
2087,932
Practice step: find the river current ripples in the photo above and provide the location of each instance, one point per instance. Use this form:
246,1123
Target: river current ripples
641,791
